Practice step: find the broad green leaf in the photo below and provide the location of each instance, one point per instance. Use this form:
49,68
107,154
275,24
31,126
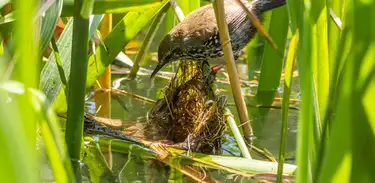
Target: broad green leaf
184,5
320,57
49,21
273,60
50,82
334,35
298,15
348,151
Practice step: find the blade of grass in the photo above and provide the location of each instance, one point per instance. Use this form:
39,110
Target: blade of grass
254,52
194,4
361,68
300,22
148,39
26,69
169,21
184,5
54,150
320,60
337,162
60,67
318,14
335,154
344,47
334,35
49,128
113,6
14,143
285,104
272,63
307,111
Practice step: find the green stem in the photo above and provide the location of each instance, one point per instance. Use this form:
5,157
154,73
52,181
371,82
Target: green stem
237,134
77,83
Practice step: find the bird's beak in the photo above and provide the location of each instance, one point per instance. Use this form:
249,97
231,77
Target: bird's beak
158,67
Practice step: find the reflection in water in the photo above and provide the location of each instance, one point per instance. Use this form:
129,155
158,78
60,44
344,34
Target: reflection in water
128,168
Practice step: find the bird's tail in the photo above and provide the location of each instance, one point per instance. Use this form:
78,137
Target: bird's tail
266,5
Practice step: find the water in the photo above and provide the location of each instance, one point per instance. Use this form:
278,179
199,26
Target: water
130,168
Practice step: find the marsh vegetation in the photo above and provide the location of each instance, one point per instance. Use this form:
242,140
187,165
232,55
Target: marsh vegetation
77,103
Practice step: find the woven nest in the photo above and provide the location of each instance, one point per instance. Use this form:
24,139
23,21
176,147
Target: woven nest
190,114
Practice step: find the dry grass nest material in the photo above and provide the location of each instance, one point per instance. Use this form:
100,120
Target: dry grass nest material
190,114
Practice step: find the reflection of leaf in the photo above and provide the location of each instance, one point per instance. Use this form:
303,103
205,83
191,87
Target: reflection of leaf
96,162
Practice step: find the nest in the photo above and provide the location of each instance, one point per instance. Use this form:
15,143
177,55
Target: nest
190,114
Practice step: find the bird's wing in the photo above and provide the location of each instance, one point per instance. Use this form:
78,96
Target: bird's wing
194,29
197,26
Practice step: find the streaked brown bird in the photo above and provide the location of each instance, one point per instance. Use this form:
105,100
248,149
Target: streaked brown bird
197,36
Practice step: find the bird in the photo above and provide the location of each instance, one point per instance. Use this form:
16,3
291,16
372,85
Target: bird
197,36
